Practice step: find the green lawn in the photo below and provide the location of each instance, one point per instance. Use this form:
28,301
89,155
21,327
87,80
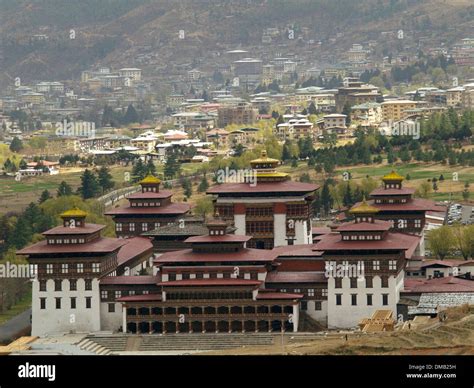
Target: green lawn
21,306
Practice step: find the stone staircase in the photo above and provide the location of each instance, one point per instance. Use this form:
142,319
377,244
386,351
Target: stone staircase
109,344
201,342
103,345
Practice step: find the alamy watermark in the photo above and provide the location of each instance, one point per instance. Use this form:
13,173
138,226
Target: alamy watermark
15,271
75,129
344,269
227,175
405,128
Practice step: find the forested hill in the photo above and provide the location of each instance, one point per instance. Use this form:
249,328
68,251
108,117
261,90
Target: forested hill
114,32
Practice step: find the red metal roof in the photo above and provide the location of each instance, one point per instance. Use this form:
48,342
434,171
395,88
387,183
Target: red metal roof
101,245
466,262
392,241
62,230
141,298
134,247
308,250
278,295
375,226
244,254
296,277
264,187
318,230
445,284
443,263
150,195
383,192
211,282
218,238
174,208
129,280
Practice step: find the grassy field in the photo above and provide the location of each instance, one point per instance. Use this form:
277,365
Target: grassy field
15,195
419,172
21,306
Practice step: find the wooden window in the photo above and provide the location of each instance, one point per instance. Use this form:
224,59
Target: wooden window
338,299
58,303
337,283
88,302
318,306
354,299
259,211
111,307
369,299
385,299
58,285
353,282
88,284
73,303
43,303
368,282
384,280
72,285
42,285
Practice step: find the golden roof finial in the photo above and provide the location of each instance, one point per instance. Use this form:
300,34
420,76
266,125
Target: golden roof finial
393,176
363,208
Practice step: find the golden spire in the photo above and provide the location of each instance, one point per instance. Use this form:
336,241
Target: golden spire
363,208
393,176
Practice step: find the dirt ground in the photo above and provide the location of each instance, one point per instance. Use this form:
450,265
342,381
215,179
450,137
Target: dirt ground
452,337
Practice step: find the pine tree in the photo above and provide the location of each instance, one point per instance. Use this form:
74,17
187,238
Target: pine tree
312,109
64,189
172,166
286,153
131,116
45,195
203,185
326,200
16,145
346,110
22,233
347,200
89,186
138,171
188,187
105,179
150,167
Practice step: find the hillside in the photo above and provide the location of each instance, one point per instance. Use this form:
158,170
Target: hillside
115,32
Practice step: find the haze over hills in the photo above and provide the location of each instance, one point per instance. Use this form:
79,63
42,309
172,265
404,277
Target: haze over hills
115,32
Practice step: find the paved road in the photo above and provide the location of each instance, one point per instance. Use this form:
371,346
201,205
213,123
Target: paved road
466,213
15,325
